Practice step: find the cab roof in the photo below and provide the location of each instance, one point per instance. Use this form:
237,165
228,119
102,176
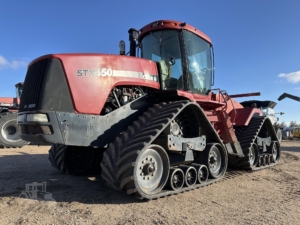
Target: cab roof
170,24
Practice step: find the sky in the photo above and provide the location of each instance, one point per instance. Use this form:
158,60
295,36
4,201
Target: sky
256,42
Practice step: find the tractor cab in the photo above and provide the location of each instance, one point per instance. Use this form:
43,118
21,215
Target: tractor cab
35,187
19,88
184,55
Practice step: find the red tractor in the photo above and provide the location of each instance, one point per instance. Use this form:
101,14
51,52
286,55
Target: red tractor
9,134
150,119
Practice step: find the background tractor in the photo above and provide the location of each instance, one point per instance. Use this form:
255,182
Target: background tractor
36,191
9,134
150,119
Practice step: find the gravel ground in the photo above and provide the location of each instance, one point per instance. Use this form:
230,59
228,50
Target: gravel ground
269,196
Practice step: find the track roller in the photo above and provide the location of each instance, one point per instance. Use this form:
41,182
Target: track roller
267,159
190,175
176,179
202,172
261,161
271,158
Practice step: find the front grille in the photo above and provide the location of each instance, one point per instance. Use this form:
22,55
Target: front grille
32,86
46,88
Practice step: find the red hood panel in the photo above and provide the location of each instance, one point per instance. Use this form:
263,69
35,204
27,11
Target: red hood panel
91,77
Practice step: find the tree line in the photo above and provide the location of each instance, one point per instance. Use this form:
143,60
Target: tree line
284,124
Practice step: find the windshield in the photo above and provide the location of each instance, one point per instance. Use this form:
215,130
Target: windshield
19,91
164,47
199,63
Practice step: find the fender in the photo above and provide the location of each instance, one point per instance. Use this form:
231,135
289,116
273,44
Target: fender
243,115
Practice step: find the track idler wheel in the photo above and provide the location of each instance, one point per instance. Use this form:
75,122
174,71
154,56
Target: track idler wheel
274,150
215,158
176,179
202,172
253,156
190,175
152,170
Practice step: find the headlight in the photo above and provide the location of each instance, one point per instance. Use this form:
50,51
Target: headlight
21,118
37,118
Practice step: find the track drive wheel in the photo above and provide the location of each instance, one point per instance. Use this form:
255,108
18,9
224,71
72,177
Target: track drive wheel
75,160
9,134
215,158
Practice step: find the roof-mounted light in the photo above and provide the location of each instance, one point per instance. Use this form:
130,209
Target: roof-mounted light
155,24
133,34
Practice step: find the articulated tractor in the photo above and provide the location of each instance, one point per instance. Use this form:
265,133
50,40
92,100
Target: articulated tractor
150,120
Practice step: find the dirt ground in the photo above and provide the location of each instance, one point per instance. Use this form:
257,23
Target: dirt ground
270,196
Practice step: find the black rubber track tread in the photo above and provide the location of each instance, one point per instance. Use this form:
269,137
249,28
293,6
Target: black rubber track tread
119,159
58,160
3,144
239,131
56,157
246,139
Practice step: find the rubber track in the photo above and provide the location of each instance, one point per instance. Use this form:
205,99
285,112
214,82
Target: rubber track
56,157
57,160
246,139
119,159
